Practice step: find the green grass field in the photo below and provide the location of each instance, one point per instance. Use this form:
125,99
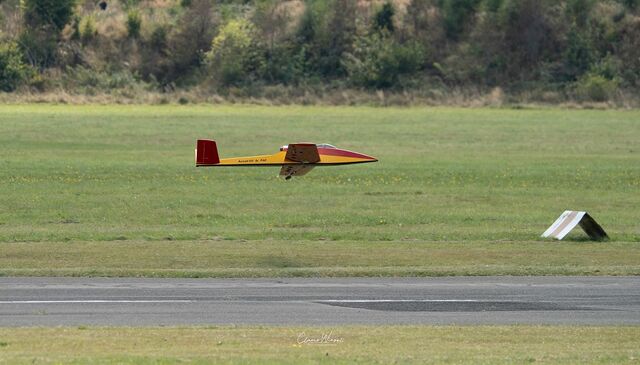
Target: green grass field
112,190
348,345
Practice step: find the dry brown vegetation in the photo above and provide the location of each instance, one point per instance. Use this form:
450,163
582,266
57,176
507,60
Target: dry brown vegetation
401,52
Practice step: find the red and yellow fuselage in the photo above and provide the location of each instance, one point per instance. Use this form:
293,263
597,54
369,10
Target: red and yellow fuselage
328,156
296,159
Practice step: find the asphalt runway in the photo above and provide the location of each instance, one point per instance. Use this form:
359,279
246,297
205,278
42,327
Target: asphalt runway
456,300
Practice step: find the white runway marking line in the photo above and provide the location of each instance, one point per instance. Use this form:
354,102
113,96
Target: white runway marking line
403,300
90,301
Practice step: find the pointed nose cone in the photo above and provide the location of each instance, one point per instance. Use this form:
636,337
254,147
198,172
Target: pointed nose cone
364,157
360,156
370,158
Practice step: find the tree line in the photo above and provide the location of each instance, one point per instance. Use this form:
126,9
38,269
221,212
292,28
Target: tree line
589,49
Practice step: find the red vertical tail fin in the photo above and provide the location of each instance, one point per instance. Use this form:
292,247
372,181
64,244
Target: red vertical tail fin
207,153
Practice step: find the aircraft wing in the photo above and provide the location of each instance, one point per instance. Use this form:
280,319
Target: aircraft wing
303,152
295,170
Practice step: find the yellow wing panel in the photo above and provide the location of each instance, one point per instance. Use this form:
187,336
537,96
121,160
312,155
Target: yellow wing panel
276,159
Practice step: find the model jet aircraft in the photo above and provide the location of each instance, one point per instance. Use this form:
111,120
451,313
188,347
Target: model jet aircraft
296,159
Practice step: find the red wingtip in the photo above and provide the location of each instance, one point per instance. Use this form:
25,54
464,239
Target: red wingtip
207,153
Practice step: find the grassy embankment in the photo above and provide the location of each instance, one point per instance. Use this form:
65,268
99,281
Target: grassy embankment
350,345
111,190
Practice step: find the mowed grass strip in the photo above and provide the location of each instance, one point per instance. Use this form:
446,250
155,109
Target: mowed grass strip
316,258
348,345
100,173
456,191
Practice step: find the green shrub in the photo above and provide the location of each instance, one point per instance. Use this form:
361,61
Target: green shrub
44,20
377,60
528,36
492,5
13,71
285,64
134,23
87,29
383,19
158,40
48,13
628,51
307,26
187,43
39,48
631,4
593,87
334,36
579,10
235,54
579,54
609,67
90,81
456,13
